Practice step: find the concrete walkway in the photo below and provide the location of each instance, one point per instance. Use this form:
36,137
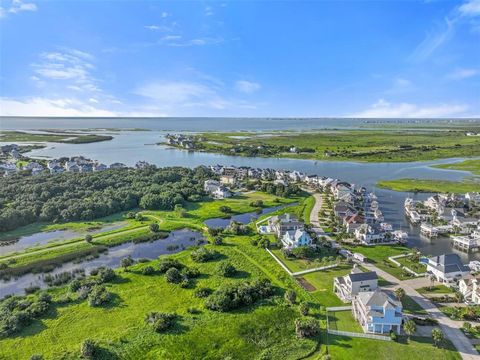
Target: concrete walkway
450,328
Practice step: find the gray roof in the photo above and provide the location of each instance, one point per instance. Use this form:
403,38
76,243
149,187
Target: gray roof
363,276
448,263
378,298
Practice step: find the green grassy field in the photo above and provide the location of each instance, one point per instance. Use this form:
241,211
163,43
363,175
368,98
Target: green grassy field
68,138
343,321
468,165
411,307
439,186
369,145
412,265
437,289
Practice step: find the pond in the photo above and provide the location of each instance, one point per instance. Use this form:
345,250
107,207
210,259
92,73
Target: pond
243,218
41,238
176,241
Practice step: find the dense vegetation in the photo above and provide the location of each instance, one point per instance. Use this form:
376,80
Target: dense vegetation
68,196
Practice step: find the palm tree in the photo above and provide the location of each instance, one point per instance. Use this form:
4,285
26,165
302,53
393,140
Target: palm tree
458,297
432,281
410,328
437,336
399,293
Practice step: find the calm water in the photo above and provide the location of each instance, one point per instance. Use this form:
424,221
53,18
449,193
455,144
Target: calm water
242,218
42,238
151,250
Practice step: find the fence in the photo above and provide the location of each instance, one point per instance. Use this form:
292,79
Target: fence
392,259
359,335
339,308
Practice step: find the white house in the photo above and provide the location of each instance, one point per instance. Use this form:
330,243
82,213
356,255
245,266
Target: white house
295,238
216,190
447,268
469,287
377,312
345,287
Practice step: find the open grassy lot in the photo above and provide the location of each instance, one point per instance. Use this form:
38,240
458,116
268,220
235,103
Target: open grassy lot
295,265
322,281
346,348
379,254
411,307
437,289
369,145
442,186
412,264
343,321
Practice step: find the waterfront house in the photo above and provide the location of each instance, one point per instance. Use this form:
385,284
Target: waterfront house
216,190
469,287
377,312
282,223
228,179
295,238
345,287
447,268
370,234
341,189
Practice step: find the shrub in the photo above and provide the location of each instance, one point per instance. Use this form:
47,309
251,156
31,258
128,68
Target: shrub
226,269
98,296
393,335
230,297
75,285
160,321
148,270
306,327
154,227
290,296
202,255
88,349
225,209
36,357
256,203
191,272
88,238
202,292
126,262
169,263
173,276
217,240
106,275
304,308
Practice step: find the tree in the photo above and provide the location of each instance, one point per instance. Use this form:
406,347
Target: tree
160,321
437,336
432,281
458,297
180,211
290,297
126,262
173,276
225,209
154,227
218,240
399,293
410,328
226,269
98,296
88,238
88,348
148,270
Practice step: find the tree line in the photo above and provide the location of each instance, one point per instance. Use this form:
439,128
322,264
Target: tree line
87,196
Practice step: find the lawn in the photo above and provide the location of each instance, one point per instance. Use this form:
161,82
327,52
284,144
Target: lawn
437,289
411,307
323,283
419,348
295,265
343,321
416,266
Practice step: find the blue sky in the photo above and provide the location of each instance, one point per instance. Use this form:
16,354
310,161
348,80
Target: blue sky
266,58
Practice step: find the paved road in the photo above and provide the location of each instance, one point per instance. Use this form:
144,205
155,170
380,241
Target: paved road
314,219
450,328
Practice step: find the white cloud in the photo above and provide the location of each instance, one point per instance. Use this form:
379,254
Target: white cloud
470,8
39,106
246,86
433,41
401,82
178,41
18,6
152,27
384,109
208,11
174,93
165,14
460,74
70,66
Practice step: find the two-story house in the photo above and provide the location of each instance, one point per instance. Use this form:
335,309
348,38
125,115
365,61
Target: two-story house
447,268
346,287
377,312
